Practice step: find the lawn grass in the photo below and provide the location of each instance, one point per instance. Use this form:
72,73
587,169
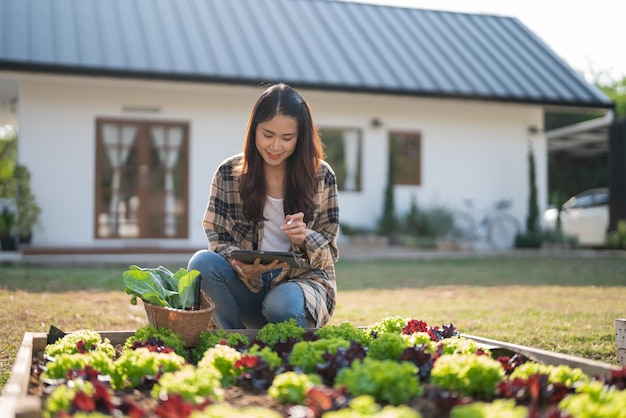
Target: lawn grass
566,304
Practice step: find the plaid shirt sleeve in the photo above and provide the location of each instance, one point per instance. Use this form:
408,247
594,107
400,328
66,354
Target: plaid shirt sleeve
322,230
224,224
317,275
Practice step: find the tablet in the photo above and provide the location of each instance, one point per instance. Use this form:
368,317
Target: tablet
266,257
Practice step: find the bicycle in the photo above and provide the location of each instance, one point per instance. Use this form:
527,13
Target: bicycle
496,225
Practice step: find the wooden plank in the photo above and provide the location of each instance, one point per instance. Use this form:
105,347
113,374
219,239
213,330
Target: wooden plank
621,356
589,367
620,341
620,333
15,399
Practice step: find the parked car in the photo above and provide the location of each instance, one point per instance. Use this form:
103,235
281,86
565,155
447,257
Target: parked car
585,216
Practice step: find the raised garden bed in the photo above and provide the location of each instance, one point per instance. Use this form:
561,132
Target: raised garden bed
17,402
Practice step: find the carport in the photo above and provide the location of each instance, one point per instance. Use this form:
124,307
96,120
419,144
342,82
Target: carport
594,138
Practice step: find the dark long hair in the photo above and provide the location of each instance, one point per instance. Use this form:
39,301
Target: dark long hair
302,164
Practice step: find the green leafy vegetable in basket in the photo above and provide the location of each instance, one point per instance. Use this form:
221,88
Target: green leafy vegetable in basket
161,287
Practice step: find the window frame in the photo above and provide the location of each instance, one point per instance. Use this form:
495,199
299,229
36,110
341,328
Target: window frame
404,173
340,168
143,128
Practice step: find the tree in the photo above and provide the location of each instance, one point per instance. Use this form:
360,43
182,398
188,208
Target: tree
388,224
532,237
8,160
19,203
617,92
532,219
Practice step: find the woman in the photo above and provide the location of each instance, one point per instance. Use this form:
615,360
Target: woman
277,195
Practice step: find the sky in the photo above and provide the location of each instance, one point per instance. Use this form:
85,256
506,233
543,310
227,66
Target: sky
589,35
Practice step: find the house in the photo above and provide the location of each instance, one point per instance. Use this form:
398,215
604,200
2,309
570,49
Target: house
124,109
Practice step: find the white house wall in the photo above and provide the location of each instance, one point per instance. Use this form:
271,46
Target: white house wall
470,149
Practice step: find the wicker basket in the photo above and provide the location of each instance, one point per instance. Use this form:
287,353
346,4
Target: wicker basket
187,324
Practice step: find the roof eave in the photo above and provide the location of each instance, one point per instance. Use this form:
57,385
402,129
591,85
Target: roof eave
203,78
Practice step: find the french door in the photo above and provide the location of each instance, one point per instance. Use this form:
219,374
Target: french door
141,179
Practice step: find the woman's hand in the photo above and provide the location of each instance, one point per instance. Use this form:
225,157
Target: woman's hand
295,228
254,271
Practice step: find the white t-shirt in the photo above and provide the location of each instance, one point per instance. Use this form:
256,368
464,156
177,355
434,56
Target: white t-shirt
274,239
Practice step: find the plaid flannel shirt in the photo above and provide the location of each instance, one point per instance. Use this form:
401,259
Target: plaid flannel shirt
228,230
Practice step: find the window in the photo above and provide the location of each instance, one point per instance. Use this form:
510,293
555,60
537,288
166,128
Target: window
406,152
141,179
343,153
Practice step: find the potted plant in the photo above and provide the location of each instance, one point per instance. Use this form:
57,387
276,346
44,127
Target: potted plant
27,208
172,300
7,229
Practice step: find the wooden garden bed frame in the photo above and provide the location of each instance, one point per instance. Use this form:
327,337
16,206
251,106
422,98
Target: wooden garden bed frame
16,403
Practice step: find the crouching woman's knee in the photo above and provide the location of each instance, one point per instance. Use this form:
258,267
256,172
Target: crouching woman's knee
208,263
284,302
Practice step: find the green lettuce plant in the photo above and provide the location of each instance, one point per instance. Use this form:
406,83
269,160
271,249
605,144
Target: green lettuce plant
386,380
271,334
593,400
308,354
498,408
159,286
66,363
347,331
420,339
222,410
80,341
364,406
135,367
210,338
393,324
292,387
458,345
270,356
556,374
222,358
195,385
60,400
166,336
388,346
469,374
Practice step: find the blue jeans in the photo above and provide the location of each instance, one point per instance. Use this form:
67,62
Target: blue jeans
236,307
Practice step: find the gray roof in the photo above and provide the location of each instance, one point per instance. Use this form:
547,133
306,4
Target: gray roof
320,44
